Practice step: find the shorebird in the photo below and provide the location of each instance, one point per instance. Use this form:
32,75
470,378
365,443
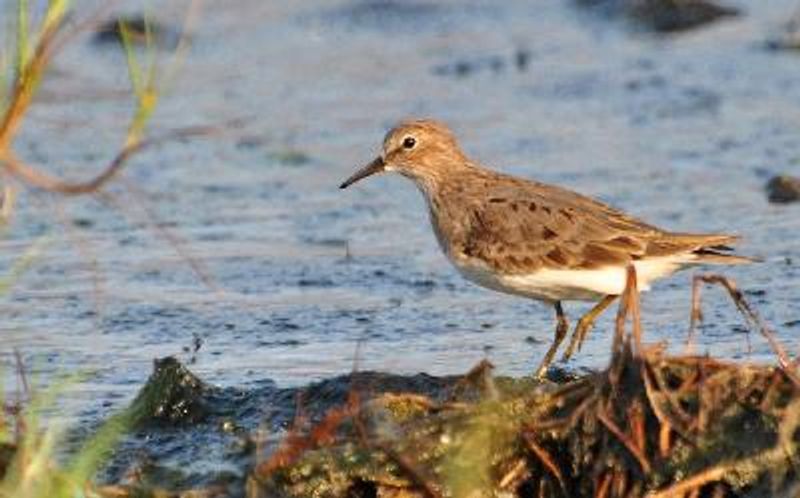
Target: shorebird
532,239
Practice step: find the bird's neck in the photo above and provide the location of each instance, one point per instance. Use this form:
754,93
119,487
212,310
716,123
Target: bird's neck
432,179
445,197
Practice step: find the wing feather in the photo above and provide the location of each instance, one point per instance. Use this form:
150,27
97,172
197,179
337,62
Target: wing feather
520,227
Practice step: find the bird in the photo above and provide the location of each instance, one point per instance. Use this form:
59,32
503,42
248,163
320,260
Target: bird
532,239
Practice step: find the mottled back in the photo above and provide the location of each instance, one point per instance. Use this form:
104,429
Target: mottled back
519,227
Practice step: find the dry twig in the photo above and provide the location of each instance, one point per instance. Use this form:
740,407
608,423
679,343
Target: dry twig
546,460
752,318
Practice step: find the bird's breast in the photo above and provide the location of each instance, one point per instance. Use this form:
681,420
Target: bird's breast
550,285
543,285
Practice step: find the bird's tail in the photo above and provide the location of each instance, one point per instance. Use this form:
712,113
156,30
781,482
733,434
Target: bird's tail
716,249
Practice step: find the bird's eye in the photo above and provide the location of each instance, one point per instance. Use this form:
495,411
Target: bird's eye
409,142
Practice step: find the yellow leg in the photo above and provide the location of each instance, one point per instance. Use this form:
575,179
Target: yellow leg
584,324
561,331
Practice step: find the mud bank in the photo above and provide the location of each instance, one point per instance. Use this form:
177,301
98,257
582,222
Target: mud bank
648,425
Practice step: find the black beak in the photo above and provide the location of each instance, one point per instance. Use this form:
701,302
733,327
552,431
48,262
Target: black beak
376,166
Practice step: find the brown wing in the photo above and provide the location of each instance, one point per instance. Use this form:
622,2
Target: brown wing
521,227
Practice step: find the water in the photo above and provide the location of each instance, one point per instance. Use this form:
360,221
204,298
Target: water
682,130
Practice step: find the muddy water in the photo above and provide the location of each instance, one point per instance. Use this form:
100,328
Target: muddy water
683,130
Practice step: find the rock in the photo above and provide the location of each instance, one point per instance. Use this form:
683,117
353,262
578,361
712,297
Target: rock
139,29
182,434
665,15
783,189
669,15
172,396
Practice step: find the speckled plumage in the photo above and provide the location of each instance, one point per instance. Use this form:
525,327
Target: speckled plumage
528,238
517,226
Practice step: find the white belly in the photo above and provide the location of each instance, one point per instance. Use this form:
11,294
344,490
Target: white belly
571,285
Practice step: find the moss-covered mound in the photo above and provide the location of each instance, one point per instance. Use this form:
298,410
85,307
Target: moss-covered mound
650,425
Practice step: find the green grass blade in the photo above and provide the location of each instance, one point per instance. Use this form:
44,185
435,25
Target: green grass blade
134,71
56,10
4,81
23,40
22,264
143,82
32,474
96,450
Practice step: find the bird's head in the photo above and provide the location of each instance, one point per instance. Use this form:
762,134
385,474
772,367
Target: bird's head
422,150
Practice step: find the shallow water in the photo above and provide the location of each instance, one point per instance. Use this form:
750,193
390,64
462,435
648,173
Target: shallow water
681,130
